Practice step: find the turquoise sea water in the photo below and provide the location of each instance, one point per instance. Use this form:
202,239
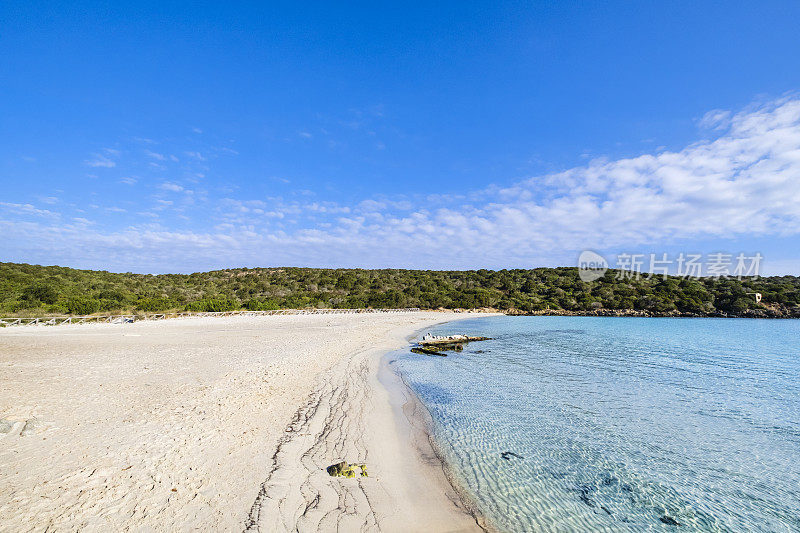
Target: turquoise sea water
620,424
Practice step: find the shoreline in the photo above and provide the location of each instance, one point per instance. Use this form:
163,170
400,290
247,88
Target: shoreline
414,414
356,415
774,312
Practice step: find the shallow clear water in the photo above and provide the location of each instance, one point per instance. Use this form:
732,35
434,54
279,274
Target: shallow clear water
621,424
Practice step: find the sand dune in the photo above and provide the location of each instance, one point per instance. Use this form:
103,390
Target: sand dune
213,423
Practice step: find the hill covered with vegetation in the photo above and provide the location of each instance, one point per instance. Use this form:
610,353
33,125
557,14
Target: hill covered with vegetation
51,290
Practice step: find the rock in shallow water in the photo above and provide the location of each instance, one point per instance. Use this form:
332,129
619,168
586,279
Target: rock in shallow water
508,455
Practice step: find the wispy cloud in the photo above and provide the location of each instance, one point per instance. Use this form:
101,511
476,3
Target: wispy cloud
716,119
155,155
98,160
9,208
743,182
169,186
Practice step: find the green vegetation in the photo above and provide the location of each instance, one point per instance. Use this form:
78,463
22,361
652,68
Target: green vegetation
37,290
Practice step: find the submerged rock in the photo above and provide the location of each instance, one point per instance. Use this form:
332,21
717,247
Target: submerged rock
585,492
428,351
669,520
508,455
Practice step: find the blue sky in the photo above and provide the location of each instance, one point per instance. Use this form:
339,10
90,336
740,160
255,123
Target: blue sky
178,137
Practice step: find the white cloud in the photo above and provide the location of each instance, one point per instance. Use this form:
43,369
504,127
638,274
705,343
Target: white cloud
716,119
744,183
102,161
169,186
26,210
371,205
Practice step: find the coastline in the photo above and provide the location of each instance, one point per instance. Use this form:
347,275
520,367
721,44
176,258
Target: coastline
356,415
222,423
773,312
173,425
415,418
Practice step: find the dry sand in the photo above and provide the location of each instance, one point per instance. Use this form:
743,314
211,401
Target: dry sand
214,424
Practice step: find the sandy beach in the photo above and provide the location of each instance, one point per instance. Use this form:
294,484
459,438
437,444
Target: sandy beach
214,423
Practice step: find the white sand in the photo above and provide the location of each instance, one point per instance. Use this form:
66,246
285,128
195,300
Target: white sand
182,424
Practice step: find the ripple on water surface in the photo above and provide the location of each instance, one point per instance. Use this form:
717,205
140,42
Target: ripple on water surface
621,424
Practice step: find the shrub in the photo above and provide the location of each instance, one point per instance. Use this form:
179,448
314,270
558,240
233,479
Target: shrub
262,305
30,289
108,305
81,305
57,309
212,305
297,302
42,293
150,305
